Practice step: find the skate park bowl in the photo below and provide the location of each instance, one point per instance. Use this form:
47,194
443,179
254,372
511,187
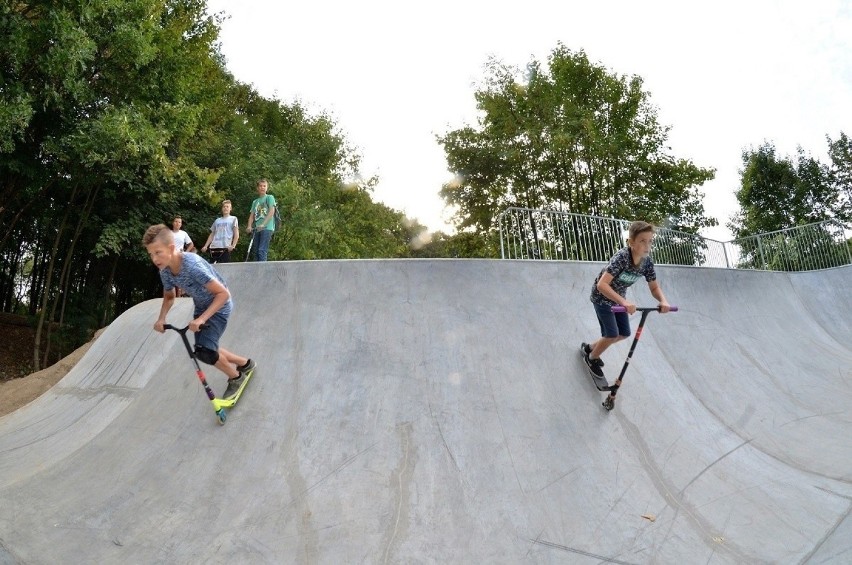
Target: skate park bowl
438,411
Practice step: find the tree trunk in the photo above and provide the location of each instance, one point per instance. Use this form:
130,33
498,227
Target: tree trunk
65,278
48,281
23,209
108,288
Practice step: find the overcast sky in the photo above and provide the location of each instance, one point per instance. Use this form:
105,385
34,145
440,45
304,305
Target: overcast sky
726,76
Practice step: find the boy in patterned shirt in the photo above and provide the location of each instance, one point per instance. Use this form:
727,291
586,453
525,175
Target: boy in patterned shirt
210,296
626,267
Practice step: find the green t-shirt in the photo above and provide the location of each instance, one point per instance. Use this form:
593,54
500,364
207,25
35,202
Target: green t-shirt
260,207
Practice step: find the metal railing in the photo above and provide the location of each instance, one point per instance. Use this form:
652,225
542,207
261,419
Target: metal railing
545,234
820,245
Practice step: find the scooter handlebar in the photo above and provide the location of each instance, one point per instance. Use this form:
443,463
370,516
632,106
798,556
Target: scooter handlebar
643,309
183,329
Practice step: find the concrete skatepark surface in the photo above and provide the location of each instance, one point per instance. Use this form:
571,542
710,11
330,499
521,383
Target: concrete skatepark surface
438,411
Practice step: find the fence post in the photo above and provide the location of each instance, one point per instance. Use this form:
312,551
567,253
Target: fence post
500,228
848,251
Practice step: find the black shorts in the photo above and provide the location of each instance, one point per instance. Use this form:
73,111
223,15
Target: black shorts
220,255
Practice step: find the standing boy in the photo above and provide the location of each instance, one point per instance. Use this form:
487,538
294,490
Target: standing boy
210,296
224,235
182,240
626,267
182,243
260,220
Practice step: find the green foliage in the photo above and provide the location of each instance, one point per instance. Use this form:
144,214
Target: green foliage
337,221
573,137
15,112
117,114
803,248
467,244
787,199
840,152
780,193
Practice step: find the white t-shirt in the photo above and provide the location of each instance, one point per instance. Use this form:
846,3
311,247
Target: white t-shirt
182,239
223,232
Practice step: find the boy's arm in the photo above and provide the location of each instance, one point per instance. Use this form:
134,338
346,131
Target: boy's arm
209,240
250,219
605,288
657,292
168,301
220,297
236,239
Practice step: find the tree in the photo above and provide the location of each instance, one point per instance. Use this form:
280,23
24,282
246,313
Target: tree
98,99
464,244
305,159
572,137
840,152
779,193
117,115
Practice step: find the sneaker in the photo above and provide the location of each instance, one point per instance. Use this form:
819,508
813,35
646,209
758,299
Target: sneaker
594,365
234,386
587,350
248,367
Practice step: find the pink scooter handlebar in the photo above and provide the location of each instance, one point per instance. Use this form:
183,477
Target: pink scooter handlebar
643,309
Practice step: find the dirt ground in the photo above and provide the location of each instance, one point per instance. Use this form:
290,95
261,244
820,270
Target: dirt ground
16,349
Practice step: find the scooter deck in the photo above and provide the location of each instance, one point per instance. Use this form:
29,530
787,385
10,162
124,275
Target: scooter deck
219,403
600,382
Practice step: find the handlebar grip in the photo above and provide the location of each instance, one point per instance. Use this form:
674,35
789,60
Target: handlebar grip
617,308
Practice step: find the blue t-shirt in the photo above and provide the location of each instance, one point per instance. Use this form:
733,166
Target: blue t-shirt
624,274
194,274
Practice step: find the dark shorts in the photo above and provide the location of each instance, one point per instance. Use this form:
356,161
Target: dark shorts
209,336
613,324
218,255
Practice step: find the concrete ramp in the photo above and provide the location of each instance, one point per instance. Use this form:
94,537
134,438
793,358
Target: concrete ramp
437,411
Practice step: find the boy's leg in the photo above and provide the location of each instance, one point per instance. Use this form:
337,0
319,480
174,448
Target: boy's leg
615,327
240,366
232,360
263,239
601,345
207,342
224,365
